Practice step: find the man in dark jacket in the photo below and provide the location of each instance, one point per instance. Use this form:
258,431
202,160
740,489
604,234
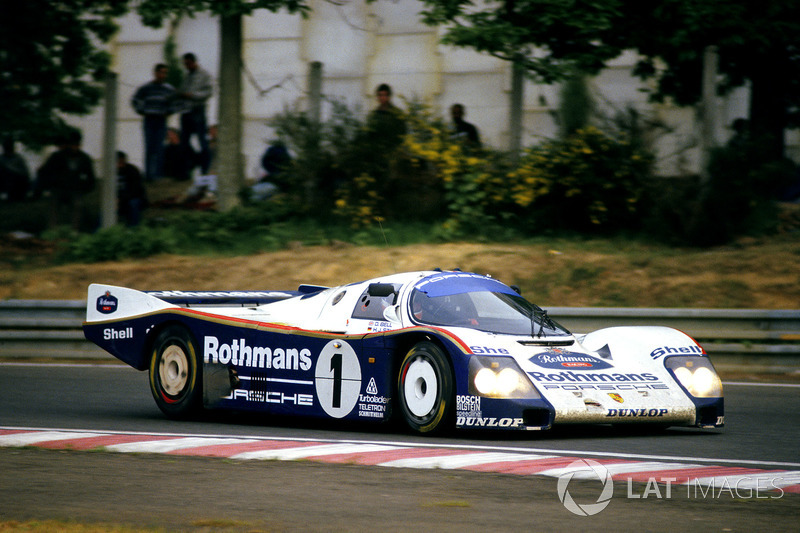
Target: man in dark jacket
14,174
155,101
131,194
67,176
462,128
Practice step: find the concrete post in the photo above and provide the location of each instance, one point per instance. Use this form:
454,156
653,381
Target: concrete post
709,109
108,186
516,109
314,90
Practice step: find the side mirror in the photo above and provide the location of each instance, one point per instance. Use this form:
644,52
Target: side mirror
392,314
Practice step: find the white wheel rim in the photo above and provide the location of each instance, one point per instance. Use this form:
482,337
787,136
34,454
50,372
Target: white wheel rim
173,372
420,387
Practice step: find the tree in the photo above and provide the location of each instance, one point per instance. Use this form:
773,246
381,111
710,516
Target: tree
758,44
50,63
550,39
153,12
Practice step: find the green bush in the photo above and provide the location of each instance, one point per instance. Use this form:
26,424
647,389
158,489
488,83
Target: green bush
117,242
741,191
736,198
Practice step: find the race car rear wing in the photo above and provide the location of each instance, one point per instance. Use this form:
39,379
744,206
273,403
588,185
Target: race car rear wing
206,298
109,302
243,298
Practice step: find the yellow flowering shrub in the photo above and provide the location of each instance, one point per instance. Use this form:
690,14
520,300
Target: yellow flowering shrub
587,181
480,188
359,203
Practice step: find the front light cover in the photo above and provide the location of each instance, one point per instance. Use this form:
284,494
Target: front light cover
499,377
696,374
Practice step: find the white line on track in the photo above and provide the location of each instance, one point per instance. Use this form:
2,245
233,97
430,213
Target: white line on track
29,439
462,461
580,471
164,446
314,451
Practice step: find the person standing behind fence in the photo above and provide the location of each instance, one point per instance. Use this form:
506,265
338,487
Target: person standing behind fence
68,176
155,101
131,194
462,128
386,123
194,91
173,156
14,175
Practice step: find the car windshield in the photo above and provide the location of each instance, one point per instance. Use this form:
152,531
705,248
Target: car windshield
476,302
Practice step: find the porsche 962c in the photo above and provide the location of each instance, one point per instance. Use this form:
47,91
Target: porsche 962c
434,349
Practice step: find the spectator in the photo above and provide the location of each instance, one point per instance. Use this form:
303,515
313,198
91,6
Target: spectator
195,90
174,165
462,128
381,158
155,101
213,132
131,194
386,122
14,174
68,176
274,162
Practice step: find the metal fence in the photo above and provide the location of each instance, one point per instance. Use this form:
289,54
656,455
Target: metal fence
735,338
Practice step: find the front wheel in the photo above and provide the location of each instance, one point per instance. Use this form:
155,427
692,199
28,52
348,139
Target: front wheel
425,388
175,375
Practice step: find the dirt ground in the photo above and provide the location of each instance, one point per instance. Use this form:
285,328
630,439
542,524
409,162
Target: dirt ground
757,274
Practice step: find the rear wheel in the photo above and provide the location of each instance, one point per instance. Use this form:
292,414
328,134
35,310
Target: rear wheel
175,378
425,388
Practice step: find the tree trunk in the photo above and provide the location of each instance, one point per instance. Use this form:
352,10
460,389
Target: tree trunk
768,94
229,165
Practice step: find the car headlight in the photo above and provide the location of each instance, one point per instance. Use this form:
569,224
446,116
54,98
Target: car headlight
498,377
697,375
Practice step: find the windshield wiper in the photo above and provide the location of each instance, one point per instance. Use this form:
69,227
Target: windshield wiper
540,315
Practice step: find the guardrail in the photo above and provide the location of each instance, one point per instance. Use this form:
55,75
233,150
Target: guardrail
735,338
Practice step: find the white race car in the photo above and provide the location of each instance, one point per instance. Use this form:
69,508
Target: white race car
437,349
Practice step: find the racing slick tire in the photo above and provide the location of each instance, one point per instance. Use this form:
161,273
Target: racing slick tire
425,389
175,375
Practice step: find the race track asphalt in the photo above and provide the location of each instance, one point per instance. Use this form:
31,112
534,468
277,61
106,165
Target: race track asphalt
183,493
